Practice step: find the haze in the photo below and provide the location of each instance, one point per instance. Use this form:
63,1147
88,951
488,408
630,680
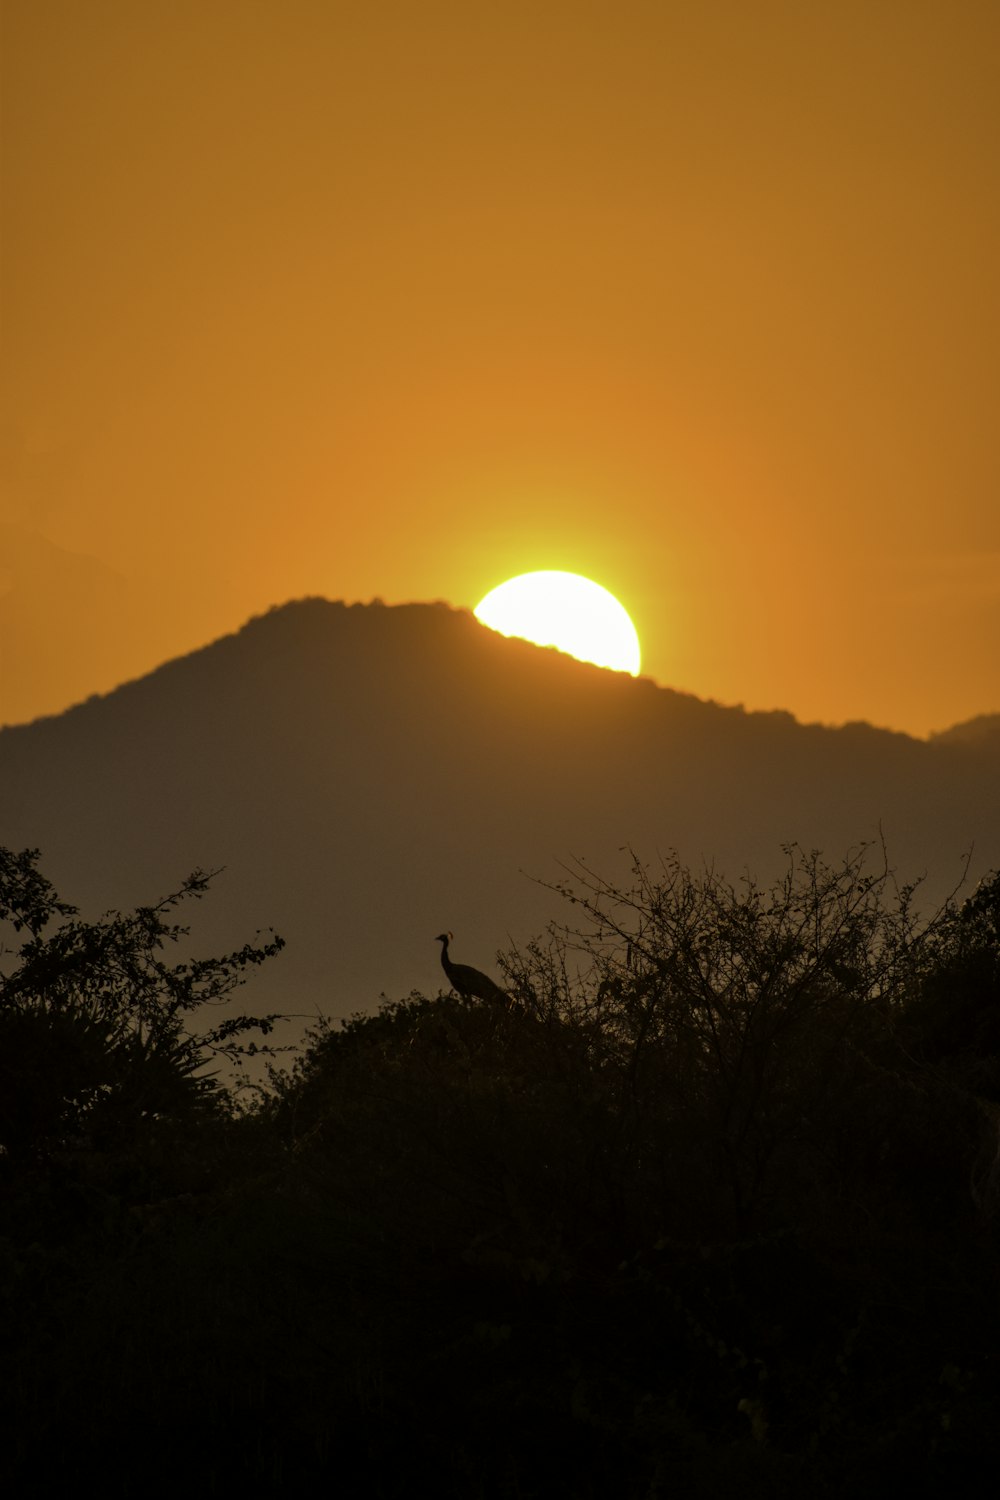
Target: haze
398,301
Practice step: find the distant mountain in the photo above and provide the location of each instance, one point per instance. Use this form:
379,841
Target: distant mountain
369,776
982,732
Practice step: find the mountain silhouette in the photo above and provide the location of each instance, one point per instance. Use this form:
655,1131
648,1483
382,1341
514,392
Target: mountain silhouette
371,776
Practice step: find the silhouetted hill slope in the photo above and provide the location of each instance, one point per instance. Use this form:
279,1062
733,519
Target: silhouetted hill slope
983,732
370,775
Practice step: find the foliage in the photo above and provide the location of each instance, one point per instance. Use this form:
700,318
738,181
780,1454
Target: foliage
698,1211
743,1021
94,1022
956,1019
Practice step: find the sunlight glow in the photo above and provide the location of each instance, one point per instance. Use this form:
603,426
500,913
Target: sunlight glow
565,611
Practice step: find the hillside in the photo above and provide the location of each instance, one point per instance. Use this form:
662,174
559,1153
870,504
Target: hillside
369,775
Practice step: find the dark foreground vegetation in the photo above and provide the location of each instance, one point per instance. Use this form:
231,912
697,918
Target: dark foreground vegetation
711,1209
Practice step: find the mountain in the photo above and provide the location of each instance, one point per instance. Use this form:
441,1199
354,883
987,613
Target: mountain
369,776
983,732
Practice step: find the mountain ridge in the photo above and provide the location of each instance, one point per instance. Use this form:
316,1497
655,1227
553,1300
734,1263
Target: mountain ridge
371,775
980,728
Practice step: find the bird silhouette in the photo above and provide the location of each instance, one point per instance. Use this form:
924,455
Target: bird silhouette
466,980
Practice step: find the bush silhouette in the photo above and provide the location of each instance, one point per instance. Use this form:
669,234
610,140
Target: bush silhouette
96,1046
694,1213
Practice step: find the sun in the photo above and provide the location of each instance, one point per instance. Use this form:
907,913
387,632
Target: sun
566,611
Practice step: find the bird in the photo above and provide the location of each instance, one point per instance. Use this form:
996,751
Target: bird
466,980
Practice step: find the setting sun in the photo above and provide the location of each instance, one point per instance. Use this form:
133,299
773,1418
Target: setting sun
566,611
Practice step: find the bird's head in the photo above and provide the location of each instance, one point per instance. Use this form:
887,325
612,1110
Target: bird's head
444,937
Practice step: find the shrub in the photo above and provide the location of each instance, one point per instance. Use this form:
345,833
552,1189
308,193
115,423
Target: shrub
96,1041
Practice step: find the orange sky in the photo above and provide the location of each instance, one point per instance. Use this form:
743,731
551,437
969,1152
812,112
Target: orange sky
399,299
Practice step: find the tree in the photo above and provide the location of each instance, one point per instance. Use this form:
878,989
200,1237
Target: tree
96,1041
702,1197
751,1038
955,1022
